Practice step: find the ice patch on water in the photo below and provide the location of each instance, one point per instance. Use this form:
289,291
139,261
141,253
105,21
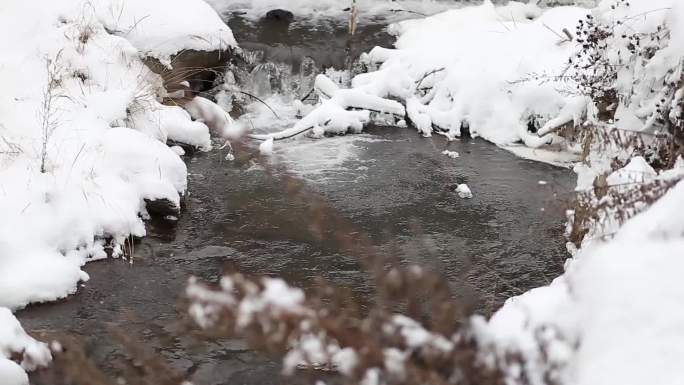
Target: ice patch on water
331,159
315,160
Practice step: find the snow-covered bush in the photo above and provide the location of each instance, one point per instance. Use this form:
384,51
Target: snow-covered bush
325,329
629,66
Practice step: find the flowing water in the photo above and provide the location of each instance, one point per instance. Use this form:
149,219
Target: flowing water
392,185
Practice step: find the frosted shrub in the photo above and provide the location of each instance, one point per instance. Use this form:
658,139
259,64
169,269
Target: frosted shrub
629,66
325,329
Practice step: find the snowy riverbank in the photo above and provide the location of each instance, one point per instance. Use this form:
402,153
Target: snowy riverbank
516,50
83,141
612,317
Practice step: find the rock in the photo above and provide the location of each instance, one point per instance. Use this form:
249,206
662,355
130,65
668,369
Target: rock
280,15
193,71
161,208
465,130
188,149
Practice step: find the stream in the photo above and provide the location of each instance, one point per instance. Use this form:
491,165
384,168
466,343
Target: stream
391,184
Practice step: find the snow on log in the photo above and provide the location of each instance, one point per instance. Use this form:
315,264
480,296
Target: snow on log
345,110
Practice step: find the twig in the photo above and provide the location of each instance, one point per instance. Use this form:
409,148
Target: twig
419,82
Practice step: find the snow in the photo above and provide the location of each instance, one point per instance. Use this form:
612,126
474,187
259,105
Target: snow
463,191
495,101
559,157
451,154
337,113
416,336
15,341
636,171
266,147
78,95
172,123
519,54
615,312
12,373
613,316
162,28
216,118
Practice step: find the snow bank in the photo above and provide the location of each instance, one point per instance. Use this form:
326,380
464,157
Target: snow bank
489,69
82,136
15,342
613,317
476,67
162,28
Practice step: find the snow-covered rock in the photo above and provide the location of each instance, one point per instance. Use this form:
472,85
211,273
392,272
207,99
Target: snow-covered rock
451,154
463,191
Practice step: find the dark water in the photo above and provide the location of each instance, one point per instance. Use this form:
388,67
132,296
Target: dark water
396,188
327,42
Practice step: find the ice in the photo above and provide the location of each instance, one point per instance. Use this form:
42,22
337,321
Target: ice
266,147
451,154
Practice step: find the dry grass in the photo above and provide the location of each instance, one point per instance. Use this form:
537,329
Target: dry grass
48,112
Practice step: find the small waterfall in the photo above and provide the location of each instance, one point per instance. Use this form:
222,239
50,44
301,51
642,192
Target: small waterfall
278,62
